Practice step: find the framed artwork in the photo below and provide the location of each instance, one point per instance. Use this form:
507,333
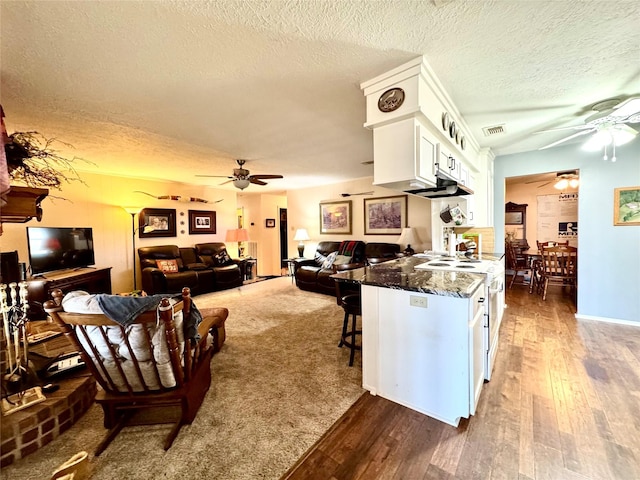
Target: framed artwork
270,222
201,221
385,215
626,206
335,217
157,222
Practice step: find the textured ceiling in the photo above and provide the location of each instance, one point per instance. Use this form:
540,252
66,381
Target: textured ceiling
167,89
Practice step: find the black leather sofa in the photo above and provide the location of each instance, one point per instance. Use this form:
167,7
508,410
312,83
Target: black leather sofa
191,270
310,274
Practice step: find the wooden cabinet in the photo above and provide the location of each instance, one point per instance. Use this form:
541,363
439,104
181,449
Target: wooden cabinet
92,280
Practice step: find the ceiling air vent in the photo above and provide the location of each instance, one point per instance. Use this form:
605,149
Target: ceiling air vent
495,130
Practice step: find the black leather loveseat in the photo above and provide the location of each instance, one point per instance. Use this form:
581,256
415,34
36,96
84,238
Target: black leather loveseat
314,275
169,268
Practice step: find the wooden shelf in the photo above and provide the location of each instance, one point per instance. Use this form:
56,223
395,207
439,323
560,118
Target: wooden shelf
22,204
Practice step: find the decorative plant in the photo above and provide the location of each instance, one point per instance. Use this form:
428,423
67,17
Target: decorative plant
32,160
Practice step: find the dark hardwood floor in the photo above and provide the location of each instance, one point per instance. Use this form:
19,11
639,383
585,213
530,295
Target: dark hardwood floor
563,403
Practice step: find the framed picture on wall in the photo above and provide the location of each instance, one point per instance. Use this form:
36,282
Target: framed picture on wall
626,206
202,221
157,222
270,222
335,217
385,215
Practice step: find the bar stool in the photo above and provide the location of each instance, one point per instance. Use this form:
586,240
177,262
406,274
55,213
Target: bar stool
352,306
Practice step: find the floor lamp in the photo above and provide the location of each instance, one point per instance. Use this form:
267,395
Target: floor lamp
133,211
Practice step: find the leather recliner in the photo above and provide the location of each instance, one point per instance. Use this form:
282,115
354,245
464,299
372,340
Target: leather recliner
228,272
312,276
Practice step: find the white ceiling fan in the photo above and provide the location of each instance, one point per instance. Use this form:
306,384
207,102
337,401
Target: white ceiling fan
562,180
241,178
607,123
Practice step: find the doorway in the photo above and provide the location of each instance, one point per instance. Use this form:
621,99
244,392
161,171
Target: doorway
284,241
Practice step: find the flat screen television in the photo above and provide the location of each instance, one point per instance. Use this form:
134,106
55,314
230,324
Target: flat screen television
59,248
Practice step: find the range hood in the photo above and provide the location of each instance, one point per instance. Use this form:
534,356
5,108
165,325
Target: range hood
445,187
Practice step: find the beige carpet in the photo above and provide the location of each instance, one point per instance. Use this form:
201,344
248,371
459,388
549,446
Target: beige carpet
279,383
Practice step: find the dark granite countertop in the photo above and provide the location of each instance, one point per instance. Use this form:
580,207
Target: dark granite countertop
400,274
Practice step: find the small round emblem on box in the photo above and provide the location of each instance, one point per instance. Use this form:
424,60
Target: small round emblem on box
391,100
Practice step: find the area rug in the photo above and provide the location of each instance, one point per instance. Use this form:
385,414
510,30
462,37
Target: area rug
279,383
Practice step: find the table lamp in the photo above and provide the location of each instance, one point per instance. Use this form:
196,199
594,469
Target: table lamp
301,235
407,237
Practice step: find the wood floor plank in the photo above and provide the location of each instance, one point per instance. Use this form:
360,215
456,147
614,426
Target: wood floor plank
563,403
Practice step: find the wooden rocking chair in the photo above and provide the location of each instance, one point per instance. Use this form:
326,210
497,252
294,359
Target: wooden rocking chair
143,365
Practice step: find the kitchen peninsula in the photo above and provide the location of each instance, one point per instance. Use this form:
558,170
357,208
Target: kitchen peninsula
423,335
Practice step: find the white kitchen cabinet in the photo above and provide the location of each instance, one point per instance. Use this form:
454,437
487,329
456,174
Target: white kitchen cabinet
424,351
404,154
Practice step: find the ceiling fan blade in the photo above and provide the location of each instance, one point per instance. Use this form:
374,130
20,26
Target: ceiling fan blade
228,181
352,194
547,183
257,181
559,129
265,177
627,108
583,132
215,176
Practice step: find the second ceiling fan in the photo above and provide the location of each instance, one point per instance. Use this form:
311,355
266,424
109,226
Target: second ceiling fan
242,178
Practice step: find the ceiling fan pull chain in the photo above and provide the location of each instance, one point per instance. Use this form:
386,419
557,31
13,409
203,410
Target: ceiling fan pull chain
605,158
613,158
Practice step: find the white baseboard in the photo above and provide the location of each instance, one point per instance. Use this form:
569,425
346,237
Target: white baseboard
608,320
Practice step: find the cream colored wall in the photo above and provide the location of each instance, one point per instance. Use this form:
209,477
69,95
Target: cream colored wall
98,204
304,212
257,208
528,193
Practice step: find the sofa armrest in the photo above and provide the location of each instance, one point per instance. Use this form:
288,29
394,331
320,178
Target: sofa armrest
348,266
304,262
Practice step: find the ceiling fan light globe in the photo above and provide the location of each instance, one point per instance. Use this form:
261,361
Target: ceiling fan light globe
574,182
241,183
623,134
562,184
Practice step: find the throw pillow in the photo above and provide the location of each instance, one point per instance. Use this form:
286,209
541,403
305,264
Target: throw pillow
329,260
167,266
342,260
222,258
319,258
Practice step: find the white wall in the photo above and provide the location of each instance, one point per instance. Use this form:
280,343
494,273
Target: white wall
608,256
98,204
304,212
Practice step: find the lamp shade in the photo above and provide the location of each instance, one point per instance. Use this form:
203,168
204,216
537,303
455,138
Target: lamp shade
301,234
243,235
132,210
408,236
232,235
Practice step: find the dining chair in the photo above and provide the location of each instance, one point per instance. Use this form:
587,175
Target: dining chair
543,245
516,262
559,266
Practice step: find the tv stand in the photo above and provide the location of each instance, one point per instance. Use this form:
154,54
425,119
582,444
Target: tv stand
92,280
